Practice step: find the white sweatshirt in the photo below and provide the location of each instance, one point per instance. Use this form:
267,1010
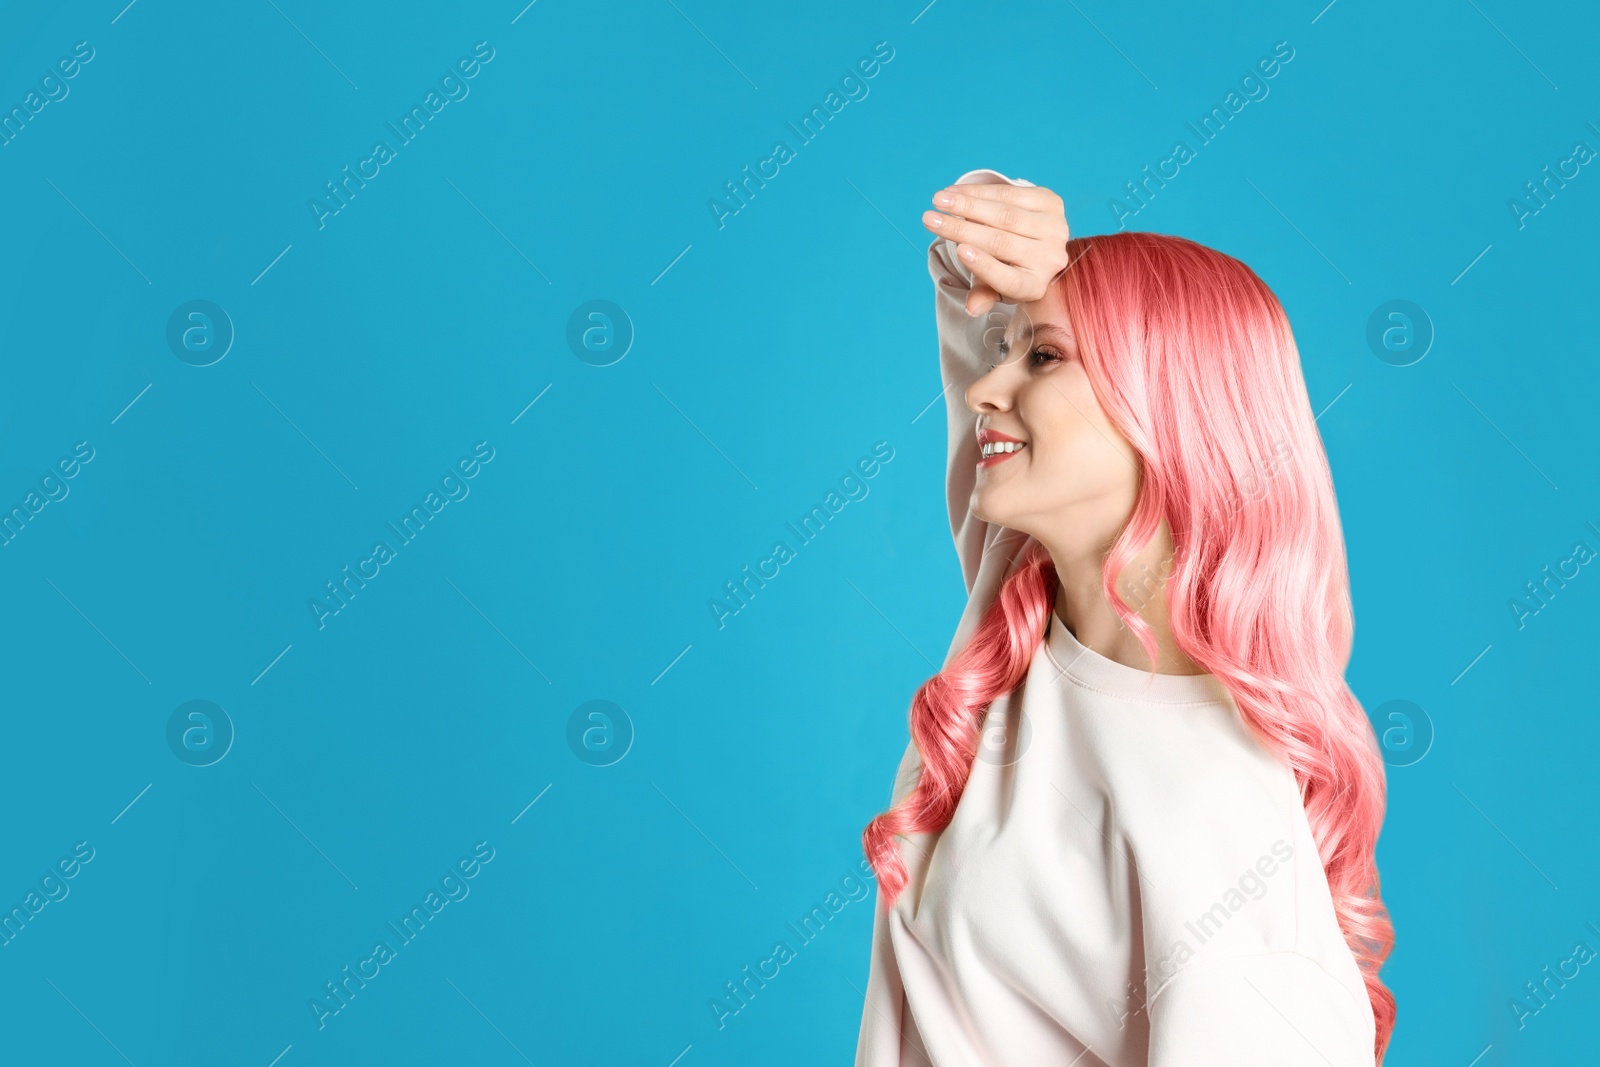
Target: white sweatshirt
1129,877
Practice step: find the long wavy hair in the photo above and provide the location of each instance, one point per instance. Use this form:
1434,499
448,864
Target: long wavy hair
1191,356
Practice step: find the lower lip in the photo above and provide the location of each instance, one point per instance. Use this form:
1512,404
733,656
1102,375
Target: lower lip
999,457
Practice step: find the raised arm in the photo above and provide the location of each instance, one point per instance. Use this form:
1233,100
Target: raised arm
966,345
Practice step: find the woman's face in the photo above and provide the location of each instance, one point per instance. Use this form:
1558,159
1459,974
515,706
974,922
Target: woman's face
1074,479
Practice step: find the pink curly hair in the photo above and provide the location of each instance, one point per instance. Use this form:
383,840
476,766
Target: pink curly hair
1191,356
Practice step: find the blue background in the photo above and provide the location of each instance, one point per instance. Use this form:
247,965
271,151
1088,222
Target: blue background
764,358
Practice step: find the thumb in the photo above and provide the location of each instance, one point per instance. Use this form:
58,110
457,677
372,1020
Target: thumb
981,298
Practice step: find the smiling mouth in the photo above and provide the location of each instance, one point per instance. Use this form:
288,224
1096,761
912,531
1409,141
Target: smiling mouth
999,451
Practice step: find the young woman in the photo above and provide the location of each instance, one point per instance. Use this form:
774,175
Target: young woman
1136,820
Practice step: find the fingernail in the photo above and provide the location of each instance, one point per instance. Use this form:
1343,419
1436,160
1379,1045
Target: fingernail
967,253
943,199
936,221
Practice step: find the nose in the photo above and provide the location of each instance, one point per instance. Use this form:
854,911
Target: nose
993,391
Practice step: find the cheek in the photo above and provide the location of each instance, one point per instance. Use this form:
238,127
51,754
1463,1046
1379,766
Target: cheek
1061,423
1073,442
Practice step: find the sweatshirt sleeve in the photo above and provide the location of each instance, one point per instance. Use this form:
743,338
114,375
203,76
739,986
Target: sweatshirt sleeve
1245,961
888,1036
964,342
1277,1009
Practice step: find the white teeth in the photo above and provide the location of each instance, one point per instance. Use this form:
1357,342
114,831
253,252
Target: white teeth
994,447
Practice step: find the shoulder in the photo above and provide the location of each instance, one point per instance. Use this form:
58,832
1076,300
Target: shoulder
1215,832
1194,775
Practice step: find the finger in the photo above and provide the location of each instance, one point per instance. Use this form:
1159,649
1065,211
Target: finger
981,299
1005,245
975,195
997,215
998,276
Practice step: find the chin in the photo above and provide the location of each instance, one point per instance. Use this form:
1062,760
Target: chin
982,511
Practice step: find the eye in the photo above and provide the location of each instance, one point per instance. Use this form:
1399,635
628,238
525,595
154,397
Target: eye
1047,353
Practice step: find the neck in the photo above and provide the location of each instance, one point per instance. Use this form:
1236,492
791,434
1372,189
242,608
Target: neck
1081,605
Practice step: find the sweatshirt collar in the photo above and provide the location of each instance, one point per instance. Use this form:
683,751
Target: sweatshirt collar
1089,668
